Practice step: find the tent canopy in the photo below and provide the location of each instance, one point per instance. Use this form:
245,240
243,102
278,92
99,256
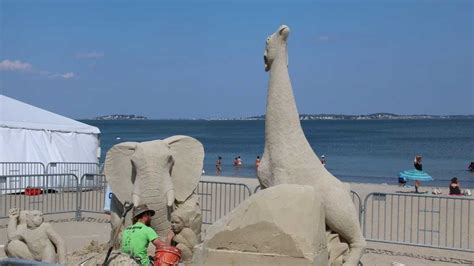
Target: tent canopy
31,134
16,114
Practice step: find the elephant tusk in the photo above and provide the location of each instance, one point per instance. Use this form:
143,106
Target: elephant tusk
170,198
135,199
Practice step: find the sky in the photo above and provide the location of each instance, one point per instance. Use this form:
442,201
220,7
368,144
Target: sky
204,59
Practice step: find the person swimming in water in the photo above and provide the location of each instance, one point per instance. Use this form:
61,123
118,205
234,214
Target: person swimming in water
239,161
257,162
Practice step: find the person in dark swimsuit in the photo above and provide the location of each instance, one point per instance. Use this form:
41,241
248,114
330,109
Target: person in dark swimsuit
454,188
417,163
418,166
219,165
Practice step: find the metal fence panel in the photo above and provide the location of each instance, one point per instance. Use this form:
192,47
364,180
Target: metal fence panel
21,168
421,220
92,197
358,205
219,198
39,192
76,168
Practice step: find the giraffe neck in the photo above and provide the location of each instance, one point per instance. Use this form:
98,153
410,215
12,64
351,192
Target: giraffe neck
282,118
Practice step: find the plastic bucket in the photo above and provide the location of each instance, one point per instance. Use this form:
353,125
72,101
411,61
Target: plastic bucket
166,256
32,191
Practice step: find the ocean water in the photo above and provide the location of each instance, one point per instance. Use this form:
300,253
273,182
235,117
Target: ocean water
373,151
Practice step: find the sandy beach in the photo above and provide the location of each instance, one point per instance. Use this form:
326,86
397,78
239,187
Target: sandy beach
95,227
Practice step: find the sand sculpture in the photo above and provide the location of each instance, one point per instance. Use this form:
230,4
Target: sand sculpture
337,249
281,225
181,236
161,174
289,158
32,239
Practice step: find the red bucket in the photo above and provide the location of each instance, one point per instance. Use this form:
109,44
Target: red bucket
32,191
167,256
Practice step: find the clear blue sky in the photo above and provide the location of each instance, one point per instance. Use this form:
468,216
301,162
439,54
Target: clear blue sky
181,59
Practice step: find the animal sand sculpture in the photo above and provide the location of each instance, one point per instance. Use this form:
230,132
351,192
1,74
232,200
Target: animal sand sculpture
161,174
31,239
289,158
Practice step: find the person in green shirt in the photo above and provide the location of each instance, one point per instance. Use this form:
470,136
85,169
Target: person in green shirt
137,237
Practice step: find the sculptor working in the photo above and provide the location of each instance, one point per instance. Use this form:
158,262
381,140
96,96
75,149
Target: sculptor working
32,239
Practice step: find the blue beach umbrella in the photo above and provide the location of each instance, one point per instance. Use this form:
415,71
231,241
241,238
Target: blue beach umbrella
415,175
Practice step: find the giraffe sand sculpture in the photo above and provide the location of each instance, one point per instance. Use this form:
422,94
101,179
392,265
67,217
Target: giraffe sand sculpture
289,159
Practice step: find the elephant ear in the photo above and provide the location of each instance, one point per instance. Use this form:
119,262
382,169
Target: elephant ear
119,171
188,155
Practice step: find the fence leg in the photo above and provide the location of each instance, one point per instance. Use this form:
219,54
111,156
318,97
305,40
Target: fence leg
78,200
78,214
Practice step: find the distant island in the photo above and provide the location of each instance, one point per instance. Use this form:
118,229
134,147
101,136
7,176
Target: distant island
121,117
376,116
303,117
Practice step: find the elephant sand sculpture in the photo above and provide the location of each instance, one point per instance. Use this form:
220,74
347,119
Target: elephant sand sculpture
161,174
289,158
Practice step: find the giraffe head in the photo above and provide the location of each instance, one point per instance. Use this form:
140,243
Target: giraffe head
274,44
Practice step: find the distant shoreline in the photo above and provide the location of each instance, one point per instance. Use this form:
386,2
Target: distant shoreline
376,116
303,117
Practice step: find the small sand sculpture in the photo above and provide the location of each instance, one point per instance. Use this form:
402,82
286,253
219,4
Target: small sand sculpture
288,157
32,239
182,236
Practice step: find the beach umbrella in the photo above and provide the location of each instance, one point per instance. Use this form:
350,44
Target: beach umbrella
415,175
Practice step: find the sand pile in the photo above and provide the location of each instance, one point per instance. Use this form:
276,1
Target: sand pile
94,254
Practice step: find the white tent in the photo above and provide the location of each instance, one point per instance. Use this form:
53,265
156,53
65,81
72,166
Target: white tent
31,134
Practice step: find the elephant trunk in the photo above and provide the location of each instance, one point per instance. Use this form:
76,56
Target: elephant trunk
153,185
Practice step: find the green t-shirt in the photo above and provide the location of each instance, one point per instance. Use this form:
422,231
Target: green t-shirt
135,240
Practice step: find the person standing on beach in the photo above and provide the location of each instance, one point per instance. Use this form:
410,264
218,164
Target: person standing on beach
219,165
257,162
323,160
455,187
417,163
418,166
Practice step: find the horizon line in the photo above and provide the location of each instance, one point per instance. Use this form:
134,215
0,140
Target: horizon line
262,115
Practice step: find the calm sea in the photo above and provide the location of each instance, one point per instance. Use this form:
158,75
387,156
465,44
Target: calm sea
357,151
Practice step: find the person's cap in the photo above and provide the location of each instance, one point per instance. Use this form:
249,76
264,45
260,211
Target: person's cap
140,209
322,156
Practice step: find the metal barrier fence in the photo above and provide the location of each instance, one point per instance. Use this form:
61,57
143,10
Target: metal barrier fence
76,168
21,168
65,193
92,196
38,168
47,193
218,198
358,205
431,221
445,222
